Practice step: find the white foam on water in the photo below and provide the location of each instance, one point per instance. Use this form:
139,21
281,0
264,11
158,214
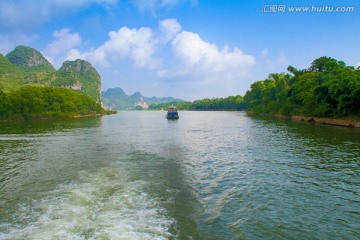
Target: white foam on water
101,205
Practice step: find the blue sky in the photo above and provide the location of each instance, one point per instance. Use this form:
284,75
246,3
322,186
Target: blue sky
189,49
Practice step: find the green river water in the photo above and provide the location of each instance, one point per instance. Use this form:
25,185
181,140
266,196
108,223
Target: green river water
208,175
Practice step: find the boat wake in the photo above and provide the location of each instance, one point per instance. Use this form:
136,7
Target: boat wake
99,205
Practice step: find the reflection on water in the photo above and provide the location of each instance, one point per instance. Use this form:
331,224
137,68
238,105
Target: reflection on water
44,126
209,175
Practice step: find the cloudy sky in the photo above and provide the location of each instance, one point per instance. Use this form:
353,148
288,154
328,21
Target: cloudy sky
189,49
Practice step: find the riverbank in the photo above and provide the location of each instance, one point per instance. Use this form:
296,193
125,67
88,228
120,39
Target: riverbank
326,121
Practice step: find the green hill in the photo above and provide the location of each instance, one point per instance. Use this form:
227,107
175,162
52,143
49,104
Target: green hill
27,66
29,59
79,75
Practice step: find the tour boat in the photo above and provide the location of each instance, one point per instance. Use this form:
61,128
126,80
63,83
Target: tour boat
172,113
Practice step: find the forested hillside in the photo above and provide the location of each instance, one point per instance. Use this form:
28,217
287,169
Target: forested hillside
328,88
27,66
31,88
80,76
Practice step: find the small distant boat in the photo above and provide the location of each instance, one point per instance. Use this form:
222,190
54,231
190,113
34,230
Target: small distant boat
172,113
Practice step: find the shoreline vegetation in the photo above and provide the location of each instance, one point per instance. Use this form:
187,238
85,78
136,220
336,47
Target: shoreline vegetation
231,103
32,89
328,92
46,102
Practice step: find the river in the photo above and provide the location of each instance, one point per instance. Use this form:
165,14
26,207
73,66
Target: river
208,175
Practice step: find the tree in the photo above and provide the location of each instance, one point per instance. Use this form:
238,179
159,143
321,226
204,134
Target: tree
32,102
5,104
327,88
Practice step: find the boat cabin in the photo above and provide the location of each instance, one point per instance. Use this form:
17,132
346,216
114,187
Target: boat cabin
172,113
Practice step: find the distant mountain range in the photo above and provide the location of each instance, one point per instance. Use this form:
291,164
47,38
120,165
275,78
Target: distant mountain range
117,99
27,66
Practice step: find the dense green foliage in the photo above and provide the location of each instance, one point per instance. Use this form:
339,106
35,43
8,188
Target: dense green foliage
328,88
31,102
165,105
231,103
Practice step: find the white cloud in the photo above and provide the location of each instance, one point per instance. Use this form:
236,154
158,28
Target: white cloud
62,47
135,44
196,54
138,45
169,28
165,55
63,42
74,54
203,69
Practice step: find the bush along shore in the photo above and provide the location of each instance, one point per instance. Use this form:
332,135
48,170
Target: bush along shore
45,102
